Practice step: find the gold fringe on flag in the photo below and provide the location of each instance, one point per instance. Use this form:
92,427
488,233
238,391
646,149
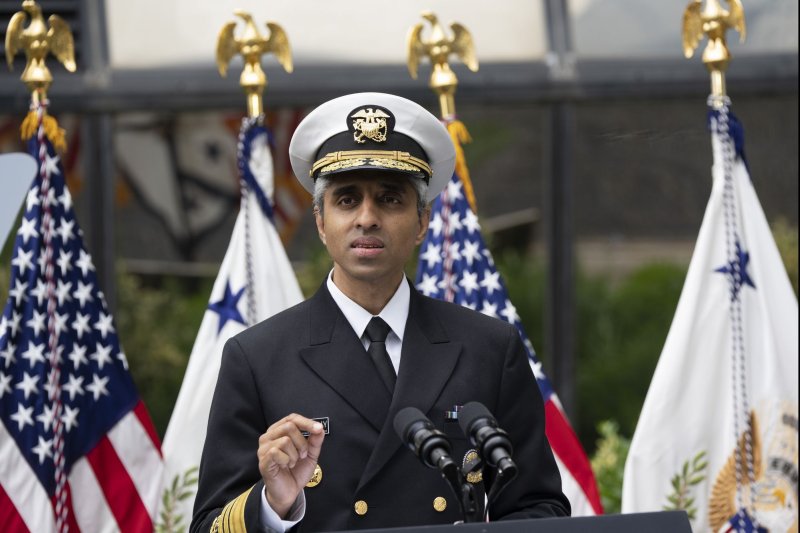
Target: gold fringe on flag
460,135
52,130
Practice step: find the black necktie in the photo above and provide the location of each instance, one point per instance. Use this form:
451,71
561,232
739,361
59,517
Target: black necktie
377,331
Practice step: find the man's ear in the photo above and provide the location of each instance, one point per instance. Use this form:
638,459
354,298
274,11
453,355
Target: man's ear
424,220
320,225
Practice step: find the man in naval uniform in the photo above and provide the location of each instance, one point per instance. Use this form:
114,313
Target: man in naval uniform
300,433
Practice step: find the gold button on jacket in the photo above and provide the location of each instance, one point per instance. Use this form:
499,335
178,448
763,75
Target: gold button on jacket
361,507
440,504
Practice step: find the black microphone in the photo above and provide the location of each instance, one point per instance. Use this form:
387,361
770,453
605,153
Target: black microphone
492,443
433,449
427,442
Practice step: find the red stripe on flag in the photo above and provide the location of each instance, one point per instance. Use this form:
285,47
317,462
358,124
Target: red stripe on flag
565,444
9,517
118,488
144,419
72,523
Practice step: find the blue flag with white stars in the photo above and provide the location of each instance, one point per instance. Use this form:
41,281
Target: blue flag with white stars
717,435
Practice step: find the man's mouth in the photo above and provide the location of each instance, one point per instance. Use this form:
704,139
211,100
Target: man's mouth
366,242
367,246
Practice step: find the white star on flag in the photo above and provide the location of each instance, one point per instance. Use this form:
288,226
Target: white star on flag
18,292
64,261
84,262
432,255
29,384
74,386
43,449
98,386
469,282
428,285
27,230
104,325
471,252
65,230
81,324
436,224
83,293
23,416
23,261
102,355
36,322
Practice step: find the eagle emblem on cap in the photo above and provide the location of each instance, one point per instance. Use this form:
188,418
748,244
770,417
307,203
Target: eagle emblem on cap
369,124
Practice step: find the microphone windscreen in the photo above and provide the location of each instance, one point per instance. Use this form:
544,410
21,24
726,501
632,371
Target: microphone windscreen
471,412
403,420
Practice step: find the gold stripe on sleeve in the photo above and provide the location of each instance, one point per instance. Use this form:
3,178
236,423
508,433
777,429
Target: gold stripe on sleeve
231,519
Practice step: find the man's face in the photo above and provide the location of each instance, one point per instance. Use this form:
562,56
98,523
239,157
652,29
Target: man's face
370,225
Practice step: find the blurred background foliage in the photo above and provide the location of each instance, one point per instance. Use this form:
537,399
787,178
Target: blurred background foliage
621,326
158,319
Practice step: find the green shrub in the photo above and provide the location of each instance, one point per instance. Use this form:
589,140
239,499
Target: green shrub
786,239
157,324
608,464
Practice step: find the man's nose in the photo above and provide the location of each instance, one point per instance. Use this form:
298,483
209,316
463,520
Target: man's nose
368,214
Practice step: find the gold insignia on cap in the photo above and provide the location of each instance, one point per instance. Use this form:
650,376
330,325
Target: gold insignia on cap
361,507
316,477
439,504
370,124
377,158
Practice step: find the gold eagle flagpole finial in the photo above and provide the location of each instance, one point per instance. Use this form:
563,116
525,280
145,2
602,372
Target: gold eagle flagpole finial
37,40
252,45
438,48
713,21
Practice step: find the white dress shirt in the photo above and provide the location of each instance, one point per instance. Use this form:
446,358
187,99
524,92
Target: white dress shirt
394,313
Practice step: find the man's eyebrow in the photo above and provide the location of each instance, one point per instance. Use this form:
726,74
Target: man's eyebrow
340,190
393,186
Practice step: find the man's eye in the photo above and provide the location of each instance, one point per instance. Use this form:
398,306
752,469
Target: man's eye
346,200
390,199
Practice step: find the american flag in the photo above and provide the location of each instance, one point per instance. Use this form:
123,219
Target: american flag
78,451
455,265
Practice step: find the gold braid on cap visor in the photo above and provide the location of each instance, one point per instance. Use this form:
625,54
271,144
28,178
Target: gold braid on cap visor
392,159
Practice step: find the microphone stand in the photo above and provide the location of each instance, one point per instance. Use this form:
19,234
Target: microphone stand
463,490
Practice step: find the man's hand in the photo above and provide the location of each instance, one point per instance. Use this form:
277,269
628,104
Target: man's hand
286,459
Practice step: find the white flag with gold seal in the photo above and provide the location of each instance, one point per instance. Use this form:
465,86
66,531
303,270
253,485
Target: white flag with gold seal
254,282
717,435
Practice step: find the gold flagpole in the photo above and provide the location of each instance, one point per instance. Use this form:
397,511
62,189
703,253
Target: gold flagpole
37,40
713,21
443,81
252,45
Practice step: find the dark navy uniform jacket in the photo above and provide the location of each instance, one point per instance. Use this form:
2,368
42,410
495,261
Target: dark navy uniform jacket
308,360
